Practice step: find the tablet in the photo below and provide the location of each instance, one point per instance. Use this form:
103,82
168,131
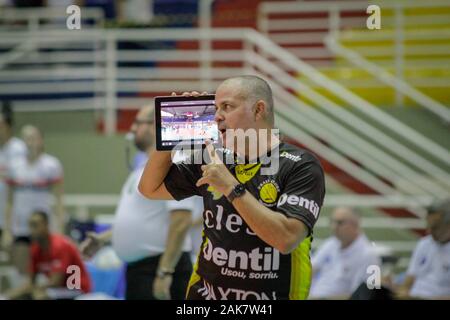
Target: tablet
186,121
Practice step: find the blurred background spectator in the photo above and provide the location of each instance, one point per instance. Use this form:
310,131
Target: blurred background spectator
34,183
56,268
428,274
341,264
11,148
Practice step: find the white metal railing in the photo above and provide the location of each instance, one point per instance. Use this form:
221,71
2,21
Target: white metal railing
301,67
291,29
322,126
386,77
401,23
354,100
109,79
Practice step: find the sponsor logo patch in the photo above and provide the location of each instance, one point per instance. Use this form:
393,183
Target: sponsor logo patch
268,192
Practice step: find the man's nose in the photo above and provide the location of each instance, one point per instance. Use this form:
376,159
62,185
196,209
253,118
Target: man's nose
218,116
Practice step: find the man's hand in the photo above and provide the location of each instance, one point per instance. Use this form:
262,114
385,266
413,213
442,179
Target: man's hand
402,294
161,287
91,245
39,294
216,173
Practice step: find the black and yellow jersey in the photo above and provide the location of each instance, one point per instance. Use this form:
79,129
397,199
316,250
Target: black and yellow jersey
234,263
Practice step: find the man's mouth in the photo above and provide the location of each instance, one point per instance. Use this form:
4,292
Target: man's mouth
222,131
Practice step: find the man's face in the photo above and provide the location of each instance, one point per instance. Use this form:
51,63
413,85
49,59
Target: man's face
232,111
143,130
342,225
439,230
33,141
38,227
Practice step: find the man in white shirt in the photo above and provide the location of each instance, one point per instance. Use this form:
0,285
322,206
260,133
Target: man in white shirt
428,274
35,183
150,236
11,148
340,264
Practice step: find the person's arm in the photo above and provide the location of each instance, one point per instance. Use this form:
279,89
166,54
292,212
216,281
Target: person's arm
67,254
7,232
55,280
269,226
25,289
281,231
197,222
58,192
403,291
94,242
319,255
163,179
55,178
152,184
180,222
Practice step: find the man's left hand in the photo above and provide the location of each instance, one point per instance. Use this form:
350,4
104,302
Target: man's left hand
161,287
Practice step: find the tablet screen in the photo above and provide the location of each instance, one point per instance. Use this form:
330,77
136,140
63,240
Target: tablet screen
187,120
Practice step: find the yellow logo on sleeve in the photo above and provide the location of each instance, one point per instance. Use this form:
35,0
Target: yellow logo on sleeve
268,192
244,172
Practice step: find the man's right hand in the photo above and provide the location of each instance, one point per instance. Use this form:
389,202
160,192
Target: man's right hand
91,245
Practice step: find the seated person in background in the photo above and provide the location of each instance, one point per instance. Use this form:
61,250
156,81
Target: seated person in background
428,275
57,258
340,264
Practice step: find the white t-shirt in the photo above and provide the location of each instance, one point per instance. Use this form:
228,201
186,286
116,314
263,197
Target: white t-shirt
11,150
141,225
32,184
196,232
430,265
341,271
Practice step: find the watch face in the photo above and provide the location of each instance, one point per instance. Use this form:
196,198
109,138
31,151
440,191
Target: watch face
240,188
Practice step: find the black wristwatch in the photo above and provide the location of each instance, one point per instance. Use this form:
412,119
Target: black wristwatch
238,191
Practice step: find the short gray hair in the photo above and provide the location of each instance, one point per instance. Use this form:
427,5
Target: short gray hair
255,88
442,207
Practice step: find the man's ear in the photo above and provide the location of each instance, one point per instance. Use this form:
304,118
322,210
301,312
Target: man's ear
259,110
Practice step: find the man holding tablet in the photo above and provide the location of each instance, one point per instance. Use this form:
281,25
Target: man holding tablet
258,223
